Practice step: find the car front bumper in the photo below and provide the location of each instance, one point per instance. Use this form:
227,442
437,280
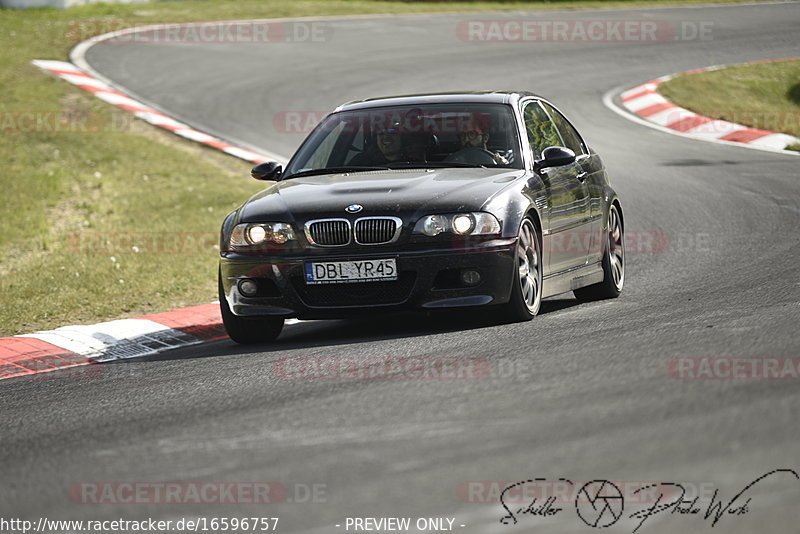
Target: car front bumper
427,279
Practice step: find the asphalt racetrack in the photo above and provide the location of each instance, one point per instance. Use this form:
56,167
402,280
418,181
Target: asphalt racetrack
582,392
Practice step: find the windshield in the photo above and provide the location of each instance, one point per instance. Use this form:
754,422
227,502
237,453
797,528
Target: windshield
432,135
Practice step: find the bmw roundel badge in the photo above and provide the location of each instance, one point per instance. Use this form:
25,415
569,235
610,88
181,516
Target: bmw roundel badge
354,208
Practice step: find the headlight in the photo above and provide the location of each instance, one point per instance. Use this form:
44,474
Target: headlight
254,234
434,225
476,223
463,224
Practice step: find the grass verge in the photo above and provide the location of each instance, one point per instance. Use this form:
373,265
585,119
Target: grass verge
106,217
761,95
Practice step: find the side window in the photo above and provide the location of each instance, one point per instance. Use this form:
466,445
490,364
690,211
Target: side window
541,131
572,139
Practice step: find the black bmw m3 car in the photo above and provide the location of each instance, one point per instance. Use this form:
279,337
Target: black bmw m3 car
489,199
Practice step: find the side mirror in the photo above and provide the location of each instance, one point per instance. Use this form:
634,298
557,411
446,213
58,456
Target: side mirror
555,156
269,170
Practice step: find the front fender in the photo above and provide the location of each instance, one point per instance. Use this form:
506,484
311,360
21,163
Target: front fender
513,205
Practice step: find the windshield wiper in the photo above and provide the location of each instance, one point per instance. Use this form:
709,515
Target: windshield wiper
334,170
434,165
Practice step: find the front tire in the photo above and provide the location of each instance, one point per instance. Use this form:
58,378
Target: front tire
526,293
613,263
248,330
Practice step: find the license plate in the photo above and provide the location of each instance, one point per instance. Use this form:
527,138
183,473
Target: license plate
343,272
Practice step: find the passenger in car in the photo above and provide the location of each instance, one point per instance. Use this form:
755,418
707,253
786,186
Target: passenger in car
388,147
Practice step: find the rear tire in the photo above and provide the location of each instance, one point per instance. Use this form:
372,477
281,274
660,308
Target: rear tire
248,330
526,293
613,263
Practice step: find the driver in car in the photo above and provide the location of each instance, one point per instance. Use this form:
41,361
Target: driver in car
473,140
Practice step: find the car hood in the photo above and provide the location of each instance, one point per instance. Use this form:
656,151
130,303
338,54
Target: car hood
406,192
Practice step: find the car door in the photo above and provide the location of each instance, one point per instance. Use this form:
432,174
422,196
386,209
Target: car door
568,235
591,175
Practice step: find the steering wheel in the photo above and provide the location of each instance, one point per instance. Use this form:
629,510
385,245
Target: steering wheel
473,155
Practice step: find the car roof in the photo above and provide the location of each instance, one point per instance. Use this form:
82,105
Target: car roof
486,97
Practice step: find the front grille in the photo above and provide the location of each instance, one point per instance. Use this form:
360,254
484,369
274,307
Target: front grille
358,294
328,232
376,230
